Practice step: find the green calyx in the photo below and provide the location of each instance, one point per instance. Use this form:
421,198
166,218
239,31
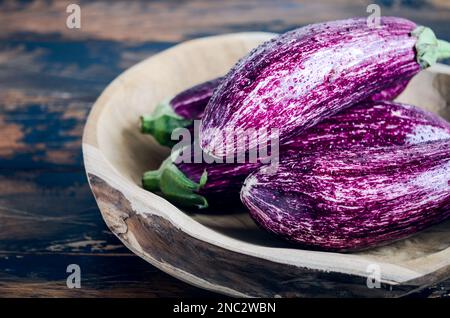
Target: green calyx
162,122
175,186
429,48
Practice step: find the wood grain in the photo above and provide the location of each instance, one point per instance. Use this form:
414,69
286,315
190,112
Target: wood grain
153,235
174,21
49,78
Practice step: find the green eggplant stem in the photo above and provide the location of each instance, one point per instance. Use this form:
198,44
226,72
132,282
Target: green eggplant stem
429,48
175,186
443,49
162,122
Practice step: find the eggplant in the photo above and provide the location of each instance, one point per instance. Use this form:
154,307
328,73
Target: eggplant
191,103
304,76
193,185
191,182
352,200
369,125
178,112
392,92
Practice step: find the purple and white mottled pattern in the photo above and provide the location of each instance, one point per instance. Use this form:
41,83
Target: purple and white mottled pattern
370,124
353,199
222,177
367,125
391,93
191,103
304,76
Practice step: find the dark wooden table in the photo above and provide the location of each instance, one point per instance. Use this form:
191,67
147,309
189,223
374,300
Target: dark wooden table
51,75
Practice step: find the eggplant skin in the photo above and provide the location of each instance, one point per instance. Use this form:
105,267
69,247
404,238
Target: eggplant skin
304,76
353,200
392,92
364,126
367,125
191,103
222,177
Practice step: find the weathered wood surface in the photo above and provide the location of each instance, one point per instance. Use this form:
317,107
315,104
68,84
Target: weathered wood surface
49,78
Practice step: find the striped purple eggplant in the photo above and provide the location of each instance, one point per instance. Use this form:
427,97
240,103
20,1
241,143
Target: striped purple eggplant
352,200
178,112
367,125
392,92
304,76
191,103
191,184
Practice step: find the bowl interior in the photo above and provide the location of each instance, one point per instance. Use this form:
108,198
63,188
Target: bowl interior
138,90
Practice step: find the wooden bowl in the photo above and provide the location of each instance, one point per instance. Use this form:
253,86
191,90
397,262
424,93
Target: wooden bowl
226,252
